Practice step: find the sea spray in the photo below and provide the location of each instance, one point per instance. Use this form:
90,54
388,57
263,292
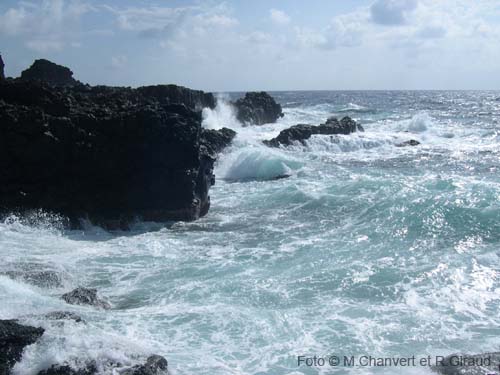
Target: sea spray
367,249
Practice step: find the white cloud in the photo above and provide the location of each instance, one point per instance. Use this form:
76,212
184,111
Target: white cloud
310,38
45,25
392,12
118,62
279,17
168,21
43,45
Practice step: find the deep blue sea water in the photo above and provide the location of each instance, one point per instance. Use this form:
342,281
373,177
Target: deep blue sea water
367,249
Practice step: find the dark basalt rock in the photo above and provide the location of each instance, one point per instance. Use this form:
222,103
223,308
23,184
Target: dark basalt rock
411,142
302,132
2,66
14,338
105,153
89,369
47,71
257,108
171,94
214,141
85,296
460,364
155,365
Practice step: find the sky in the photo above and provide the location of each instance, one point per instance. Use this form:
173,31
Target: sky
260,44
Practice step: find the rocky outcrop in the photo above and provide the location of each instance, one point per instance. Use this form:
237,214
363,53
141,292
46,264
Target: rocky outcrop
214,141
14,338
155,365
257,108
47,71
411,142
460,364
105,153
302,132
85,296
2,66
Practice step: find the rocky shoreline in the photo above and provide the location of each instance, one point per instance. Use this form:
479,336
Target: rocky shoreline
110,154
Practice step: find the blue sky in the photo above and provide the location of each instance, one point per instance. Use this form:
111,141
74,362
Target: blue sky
261,45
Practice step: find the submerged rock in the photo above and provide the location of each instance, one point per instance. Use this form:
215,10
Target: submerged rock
411,142
68,370
107,154
155,365
257,108
14,338
34,274
302,132
47,71
63,315
85,296
460,364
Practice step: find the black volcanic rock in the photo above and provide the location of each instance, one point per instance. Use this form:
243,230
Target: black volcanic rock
257,108
85,296
169,94
109,154
302,132
88,369
411,142
155,365
47,71
14,338
2,66
214,141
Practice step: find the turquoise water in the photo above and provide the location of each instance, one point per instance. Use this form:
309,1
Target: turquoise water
367,249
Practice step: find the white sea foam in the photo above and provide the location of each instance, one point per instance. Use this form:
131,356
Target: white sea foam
368,248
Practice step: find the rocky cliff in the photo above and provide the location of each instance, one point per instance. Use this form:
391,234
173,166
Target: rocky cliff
105,153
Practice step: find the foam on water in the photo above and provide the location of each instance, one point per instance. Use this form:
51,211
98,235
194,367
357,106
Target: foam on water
366,249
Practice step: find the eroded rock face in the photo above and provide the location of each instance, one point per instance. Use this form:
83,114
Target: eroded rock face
105,153
257,108
214,141
171,94
47,71
85,296
302,132
14,338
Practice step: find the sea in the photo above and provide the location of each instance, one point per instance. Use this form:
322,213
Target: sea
364,250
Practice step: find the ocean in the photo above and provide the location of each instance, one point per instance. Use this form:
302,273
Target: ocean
366,249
